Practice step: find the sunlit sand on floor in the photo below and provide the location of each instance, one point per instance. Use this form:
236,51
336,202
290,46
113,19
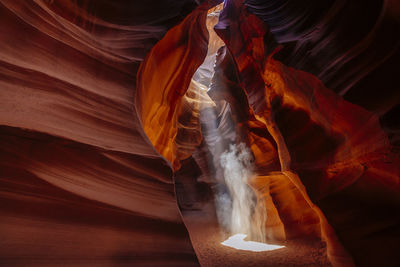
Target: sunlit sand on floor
237,241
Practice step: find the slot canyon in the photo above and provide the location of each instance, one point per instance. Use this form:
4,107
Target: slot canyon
183,132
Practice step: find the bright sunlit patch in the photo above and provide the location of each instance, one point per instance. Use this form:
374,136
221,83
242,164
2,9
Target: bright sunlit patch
237,241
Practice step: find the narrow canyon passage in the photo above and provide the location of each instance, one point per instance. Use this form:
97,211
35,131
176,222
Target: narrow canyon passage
209,121
210,215
147,133
247,138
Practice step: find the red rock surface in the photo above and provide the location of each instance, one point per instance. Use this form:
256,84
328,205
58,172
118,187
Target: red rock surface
80,183
90,143
325,145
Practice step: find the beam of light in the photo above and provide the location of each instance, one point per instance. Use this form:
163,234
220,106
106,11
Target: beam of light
237,241
237,207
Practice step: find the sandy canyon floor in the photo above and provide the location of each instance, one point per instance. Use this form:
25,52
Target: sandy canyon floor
207,236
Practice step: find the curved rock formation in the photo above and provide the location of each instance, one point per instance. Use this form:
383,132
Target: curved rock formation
80,182
325,145
91,143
